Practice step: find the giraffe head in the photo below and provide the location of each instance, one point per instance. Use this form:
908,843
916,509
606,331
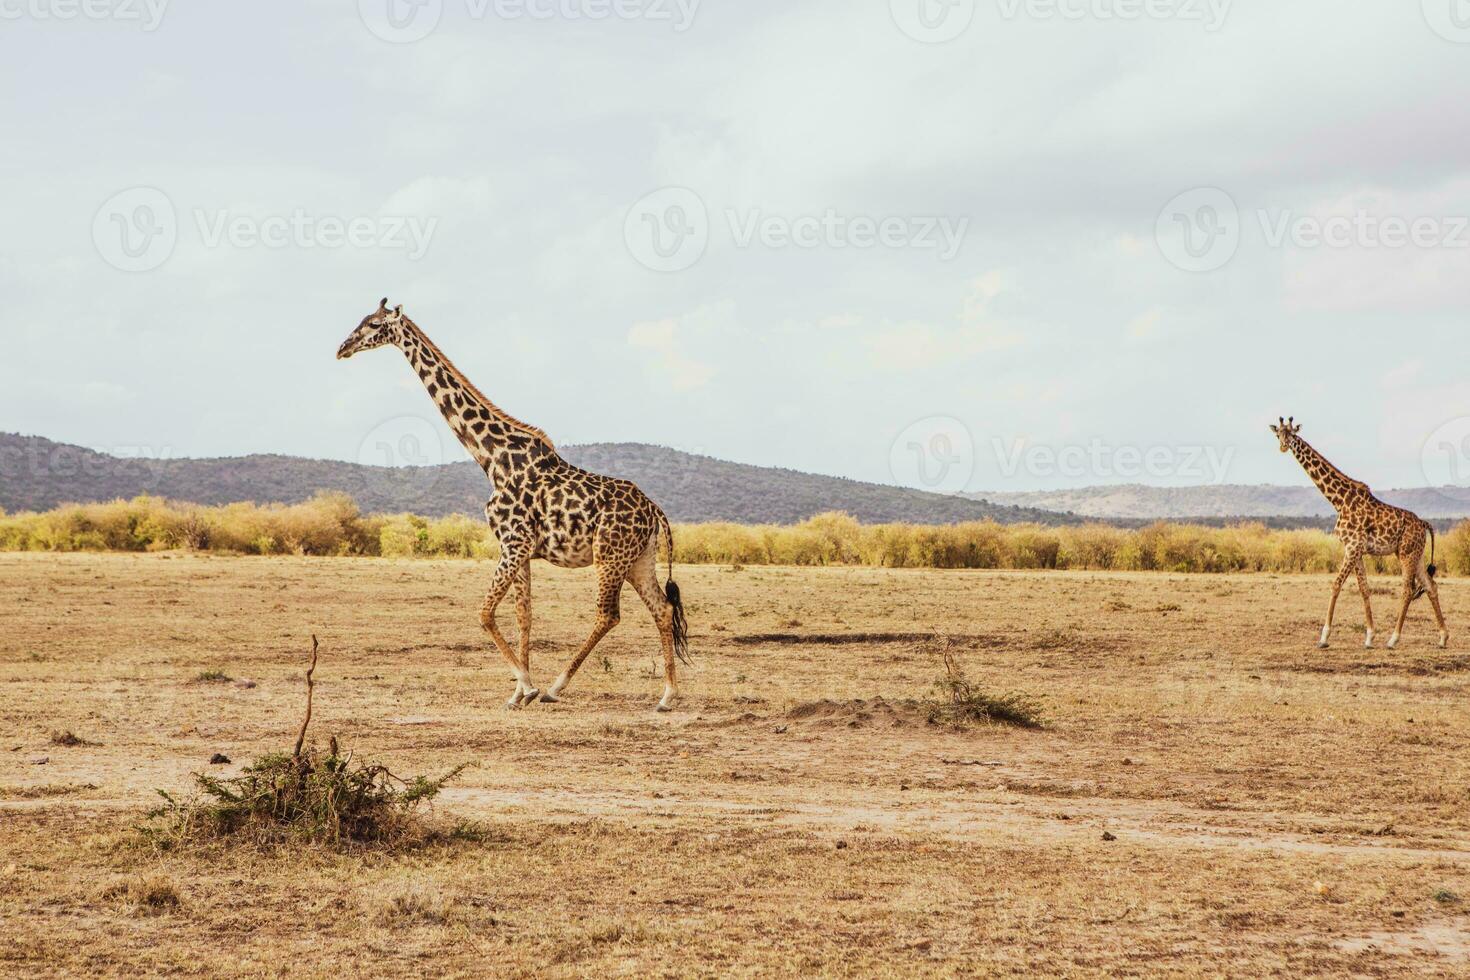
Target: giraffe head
1286,432
381,327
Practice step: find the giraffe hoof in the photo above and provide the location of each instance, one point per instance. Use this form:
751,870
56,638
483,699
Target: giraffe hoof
1323,645
530,696
549,698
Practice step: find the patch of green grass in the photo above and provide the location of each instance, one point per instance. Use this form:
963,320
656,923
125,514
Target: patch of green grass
1446,897
213,677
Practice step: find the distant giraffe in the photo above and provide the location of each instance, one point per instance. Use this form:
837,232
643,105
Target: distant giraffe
1368,526
543,507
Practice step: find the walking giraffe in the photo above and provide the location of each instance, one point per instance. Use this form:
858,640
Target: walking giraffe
543,507
1368,526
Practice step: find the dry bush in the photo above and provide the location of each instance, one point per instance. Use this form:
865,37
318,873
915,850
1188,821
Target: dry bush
330,524
151,895
68,738
306,795
963,702
417,902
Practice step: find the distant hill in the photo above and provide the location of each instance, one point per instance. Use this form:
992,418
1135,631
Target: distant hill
1134,501
38,474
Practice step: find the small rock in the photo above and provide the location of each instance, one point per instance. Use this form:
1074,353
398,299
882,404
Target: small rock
842,845
1321,888
1108,836
903,787
1398,913
41,761
244,683
219,759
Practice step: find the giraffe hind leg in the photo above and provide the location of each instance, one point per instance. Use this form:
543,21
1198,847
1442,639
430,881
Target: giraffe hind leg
609,586
1428,584
644,578
1410,561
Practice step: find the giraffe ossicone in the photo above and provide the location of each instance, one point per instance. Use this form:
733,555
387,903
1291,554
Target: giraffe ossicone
543,507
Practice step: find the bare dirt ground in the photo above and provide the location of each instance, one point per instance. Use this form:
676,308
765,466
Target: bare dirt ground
1213,795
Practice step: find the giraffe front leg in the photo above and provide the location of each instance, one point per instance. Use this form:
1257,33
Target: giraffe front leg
526,692
1347,567
506,572
1362,574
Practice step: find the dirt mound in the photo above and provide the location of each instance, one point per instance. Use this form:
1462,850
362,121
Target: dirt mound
857,713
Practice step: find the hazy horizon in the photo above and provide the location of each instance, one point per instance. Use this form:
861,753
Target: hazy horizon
997,247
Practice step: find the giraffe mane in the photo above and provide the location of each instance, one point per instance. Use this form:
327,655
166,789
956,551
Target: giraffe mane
469,386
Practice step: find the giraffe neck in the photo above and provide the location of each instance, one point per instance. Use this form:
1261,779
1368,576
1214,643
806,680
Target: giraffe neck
1335,485
501,444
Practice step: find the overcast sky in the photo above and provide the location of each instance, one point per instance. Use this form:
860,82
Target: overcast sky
1000,244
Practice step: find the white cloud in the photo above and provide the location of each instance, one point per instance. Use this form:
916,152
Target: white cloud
664,339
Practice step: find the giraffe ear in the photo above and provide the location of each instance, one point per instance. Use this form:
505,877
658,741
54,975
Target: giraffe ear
1275,430
398,310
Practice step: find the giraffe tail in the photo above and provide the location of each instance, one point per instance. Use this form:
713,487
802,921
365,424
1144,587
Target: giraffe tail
1433,568
671,593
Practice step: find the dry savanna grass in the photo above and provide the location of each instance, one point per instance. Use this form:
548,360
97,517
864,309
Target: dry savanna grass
1208,794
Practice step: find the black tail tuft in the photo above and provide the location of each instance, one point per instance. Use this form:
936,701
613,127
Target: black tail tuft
681,625
1433,570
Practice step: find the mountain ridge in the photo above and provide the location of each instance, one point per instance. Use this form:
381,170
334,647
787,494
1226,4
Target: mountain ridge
39,474
1135,501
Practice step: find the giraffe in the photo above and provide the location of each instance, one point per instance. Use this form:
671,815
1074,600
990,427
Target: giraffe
1368,526
543,507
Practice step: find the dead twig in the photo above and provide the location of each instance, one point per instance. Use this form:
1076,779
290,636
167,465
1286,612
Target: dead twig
310,686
